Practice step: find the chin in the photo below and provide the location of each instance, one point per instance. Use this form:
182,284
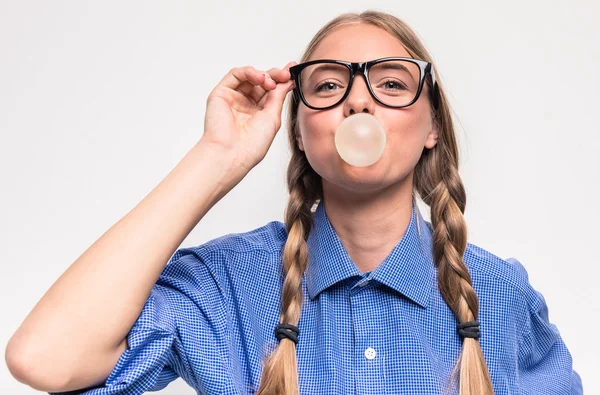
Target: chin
361,180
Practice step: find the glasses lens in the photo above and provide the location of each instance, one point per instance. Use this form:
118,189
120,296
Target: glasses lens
324,84
394,82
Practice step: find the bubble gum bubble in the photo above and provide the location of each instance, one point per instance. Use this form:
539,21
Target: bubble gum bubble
360,139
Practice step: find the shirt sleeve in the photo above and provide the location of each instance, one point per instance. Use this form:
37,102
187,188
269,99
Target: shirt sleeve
151,360
545,363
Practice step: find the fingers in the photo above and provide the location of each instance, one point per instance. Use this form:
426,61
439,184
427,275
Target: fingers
273,102
255,83
246,78
278,75
281,75
239,75
272,78
268,79
256,92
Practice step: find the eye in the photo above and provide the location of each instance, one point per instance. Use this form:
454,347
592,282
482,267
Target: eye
395,85
319,88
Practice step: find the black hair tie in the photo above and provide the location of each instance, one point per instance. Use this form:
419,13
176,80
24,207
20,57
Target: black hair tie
287,330
469,329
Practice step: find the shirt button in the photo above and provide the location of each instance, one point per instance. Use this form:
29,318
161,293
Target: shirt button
370,353
364,283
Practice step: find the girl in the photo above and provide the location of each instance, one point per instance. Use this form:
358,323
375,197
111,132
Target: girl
354,294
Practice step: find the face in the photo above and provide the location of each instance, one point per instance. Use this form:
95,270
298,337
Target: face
408,130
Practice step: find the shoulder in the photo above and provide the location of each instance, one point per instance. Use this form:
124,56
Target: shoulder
267,238
512,307
500,275
234,258
508,301
214,272
503,284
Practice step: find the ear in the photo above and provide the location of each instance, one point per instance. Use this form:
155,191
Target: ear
432,137
299,140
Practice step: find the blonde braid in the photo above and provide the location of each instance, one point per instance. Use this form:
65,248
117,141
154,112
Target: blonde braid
280,373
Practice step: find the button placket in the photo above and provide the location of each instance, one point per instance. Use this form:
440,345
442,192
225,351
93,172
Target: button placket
368,368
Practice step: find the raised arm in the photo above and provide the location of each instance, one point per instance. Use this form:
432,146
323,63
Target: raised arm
76,333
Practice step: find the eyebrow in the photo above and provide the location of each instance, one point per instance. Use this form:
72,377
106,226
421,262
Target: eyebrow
394,66
328,67
384,65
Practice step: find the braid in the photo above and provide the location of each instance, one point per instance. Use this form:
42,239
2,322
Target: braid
439,183
450,242
280,374
454,281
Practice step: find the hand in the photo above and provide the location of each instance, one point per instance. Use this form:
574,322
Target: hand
243,112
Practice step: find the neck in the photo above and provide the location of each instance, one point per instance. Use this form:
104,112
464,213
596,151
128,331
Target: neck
369,227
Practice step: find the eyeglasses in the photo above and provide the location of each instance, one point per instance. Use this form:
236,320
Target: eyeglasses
393,81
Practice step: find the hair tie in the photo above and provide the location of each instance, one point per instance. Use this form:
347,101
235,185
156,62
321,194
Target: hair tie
287,330
469,329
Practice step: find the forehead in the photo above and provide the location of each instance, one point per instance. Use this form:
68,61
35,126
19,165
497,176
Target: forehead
358,43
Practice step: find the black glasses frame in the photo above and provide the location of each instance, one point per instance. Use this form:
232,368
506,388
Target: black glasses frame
363,67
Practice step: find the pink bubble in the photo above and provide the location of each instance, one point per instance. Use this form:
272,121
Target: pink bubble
360,139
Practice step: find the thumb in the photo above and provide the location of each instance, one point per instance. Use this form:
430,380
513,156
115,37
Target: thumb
276,97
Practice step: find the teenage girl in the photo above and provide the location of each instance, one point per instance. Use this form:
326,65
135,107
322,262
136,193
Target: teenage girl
355,293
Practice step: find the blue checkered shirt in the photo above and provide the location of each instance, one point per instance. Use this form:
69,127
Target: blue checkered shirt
211,316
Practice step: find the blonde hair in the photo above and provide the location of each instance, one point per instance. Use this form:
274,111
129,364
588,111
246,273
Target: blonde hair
436,180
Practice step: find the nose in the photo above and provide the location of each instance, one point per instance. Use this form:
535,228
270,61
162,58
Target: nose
359,98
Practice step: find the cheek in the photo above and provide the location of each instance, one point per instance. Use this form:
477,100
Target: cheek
317,130
406,136
408,131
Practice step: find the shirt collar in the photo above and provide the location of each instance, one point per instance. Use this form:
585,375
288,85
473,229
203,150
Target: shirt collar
408,269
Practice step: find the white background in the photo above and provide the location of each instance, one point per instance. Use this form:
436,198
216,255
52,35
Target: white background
100,100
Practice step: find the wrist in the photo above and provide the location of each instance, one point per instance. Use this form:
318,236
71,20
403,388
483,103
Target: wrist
224,163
